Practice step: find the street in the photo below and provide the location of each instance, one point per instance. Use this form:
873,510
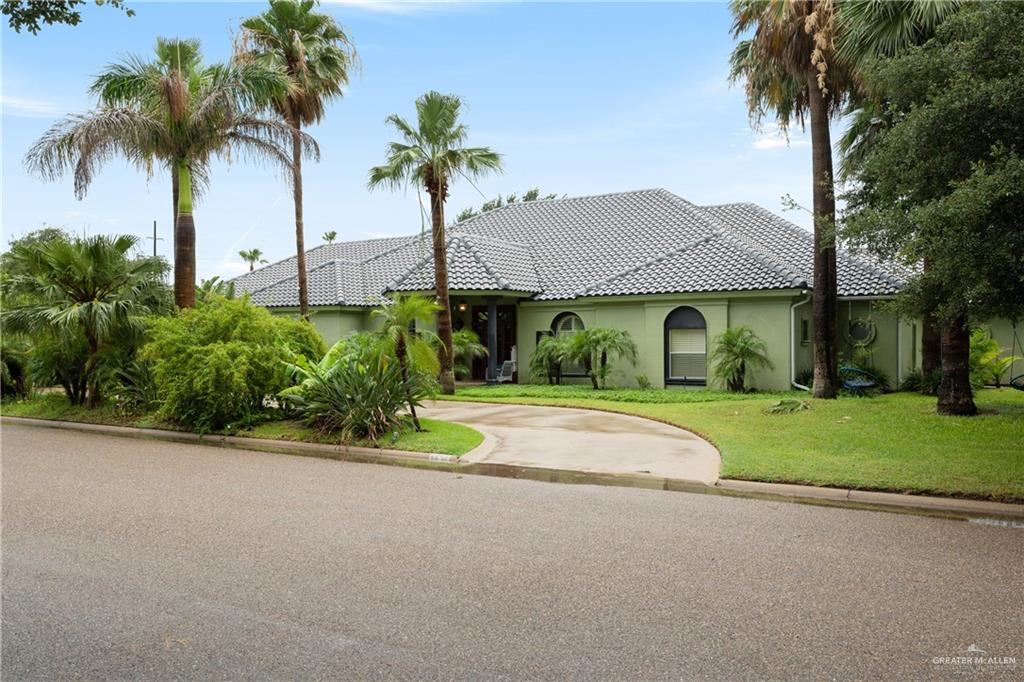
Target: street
142,560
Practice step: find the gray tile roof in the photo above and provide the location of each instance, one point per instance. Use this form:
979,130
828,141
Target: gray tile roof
641,242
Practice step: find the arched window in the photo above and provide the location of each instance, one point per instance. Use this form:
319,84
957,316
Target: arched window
686,347
566,325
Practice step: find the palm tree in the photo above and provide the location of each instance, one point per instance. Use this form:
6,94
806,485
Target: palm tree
466,345
596,346
432,155
253,256
90,286
548,357
317,55
739,351
790,71
173,112
330,236
411,349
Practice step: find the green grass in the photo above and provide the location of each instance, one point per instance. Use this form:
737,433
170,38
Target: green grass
440,437
893,442
437,436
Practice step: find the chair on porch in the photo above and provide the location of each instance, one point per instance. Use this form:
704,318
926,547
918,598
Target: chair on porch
507,372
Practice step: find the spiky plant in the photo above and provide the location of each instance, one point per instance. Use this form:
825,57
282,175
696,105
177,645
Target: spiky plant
739,352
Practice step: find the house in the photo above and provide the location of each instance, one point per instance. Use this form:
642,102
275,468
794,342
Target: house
672,273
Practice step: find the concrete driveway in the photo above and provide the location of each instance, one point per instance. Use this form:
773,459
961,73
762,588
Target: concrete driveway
582,440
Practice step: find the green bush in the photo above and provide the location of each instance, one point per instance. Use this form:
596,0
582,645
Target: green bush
359,401
919,382
222,363
988,364
643,383
738,352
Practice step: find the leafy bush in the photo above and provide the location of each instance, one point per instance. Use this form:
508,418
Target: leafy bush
548,357
738,352
301,337
988,364
918,382
466,346
595,348
14,379
216,365
359,401
135,389
863,359
643,383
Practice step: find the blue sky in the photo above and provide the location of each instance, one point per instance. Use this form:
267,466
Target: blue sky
580,98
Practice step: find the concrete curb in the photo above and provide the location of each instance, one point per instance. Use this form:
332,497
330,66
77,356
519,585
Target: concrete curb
945,507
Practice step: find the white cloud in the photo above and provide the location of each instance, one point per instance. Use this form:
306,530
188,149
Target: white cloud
27,107
775,138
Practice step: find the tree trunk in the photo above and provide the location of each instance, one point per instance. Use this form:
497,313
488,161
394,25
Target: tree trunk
174,208
824,305
300,238
604,368
403,363
444,314
93,398
185,244
931,340
955,394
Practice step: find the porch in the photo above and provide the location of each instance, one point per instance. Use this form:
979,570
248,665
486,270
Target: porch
493,319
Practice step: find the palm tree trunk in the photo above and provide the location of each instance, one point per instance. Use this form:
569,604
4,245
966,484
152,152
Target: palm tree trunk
444,313
185,243
824,306
400,355
931,343
955,394
92,381
300,239
174,208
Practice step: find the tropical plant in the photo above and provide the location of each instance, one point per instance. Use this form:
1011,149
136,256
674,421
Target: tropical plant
432,155
412,349
360,401
176,113
214,286
330,236
221,364
917,381
643,383
499,201
253,256
787,406
467,346
317,55
738,353
988,364
791,73
135,388
548,357
596,347
31,14
87,288
14,373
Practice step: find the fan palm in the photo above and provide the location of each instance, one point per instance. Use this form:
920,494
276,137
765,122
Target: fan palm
252,257
432,155
330,236
317,55
176,112
791,72
411,349
738,352
90,286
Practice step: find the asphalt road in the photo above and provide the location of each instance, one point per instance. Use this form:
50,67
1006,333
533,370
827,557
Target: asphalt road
141,560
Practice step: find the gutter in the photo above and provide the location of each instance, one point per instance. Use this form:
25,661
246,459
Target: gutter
792,342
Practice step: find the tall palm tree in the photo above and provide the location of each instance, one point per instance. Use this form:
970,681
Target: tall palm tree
791,73
411,349
175,112
90,286
252,256
432,155
317,55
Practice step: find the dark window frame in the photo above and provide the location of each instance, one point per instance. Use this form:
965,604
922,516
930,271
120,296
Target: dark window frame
683,317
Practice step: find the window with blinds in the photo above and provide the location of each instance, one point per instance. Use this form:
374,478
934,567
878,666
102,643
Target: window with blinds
687,354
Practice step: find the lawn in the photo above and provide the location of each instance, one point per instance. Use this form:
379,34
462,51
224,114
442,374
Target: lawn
892,442
439,437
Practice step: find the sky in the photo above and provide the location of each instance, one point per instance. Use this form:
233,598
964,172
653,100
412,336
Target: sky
579,98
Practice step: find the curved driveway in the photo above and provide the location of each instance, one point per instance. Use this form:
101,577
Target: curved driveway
582,440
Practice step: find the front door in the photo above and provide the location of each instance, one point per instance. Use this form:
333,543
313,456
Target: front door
506,337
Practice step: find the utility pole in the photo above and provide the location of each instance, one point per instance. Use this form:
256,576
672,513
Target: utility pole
155,239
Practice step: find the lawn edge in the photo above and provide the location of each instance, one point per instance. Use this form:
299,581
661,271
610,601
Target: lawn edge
943,507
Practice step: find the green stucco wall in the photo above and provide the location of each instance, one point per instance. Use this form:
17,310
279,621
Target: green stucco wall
333,323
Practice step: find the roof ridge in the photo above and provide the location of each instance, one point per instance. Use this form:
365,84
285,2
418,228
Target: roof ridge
660,258
296,276
556,199
487,266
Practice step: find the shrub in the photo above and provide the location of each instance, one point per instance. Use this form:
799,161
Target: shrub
987,362
738,353
14,381
217,364
643,383
548,357
595,348
862,358
135,388
359,401
466,346
918,382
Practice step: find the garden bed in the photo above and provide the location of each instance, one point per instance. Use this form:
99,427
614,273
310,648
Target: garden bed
438,437
894,442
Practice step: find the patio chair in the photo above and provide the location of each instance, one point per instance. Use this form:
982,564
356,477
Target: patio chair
505,374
